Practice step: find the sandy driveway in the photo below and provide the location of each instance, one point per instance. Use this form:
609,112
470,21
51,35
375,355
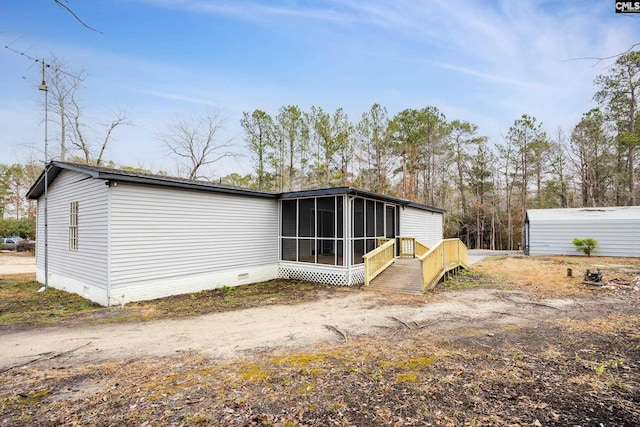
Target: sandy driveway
17,263
233,334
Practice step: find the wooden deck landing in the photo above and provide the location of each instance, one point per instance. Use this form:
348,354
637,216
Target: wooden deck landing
403,276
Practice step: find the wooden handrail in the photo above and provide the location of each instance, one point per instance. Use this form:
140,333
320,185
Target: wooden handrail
378,259
447,255
420,248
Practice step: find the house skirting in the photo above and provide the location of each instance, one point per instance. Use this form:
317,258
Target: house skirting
330,274
68,284
159,288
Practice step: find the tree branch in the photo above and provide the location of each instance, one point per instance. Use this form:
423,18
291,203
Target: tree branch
605,58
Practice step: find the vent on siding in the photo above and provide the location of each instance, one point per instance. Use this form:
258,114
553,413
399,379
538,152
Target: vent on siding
243,276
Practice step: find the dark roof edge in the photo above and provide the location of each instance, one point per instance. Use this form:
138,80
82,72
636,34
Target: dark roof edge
357,192
193,185
55,167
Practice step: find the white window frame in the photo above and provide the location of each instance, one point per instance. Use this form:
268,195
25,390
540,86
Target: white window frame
73,226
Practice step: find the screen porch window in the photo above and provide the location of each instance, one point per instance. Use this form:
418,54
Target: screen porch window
73,226
370,224
312,230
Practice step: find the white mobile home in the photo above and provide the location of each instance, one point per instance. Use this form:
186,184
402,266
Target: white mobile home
116,236
551,231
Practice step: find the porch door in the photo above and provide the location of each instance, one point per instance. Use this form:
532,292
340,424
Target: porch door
390,225
390,218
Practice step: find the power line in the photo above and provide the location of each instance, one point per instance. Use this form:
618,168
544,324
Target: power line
68,9
42,61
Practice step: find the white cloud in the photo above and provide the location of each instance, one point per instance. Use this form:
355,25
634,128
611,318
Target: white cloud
488,62
491,77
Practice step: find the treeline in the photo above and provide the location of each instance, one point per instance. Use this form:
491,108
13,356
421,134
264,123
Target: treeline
417,154
15,180
420,155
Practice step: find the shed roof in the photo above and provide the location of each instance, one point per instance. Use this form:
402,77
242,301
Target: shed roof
584,214
120,175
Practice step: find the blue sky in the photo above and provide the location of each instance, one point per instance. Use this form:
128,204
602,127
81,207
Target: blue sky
487,62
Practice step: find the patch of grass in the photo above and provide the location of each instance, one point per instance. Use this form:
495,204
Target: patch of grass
546,277
406,377
227,298
614,324
22,304
253,372
22,400
473,279
414,363
299,360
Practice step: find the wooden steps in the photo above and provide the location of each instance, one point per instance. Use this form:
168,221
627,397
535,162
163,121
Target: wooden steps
403,276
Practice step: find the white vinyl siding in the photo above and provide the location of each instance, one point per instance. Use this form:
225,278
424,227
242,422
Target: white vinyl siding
86,266
187,240
617,230
424,225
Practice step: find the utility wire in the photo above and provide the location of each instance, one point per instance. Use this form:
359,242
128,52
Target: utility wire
68,9
41,61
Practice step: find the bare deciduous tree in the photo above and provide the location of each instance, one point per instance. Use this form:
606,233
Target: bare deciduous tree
63,86
80,140
195,142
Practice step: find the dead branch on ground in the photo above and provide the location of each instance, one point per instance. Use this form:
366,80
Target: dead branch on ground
338,331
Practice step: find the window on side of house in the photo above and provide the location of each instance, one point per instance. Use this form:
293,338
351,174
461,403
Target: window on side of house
73,226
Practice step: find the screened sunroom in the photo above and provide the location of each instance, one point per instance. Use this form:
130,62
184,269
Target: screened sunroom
325,233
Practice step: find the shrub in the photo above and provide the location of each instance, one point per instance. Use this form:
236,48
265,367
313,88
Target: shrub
25,228
586,246
26,246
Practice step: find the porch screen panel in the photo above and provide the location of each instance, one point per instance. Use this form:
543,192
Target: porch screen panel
371,218
371,245
289,217
326,207
326,250
391,215
339,217
307,218
340,252
306,250
358,251
289,251
379,219
358,218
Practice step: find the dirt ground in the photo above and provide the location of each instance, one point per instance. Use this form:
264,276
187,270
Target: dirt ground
12,263
480,356
233,334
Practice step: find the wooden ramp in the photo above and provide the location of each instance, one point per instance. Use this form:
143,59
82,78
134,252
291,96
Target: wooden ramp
403,276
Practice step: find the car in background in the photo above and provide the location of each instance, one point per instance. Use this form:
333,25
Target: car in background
14,243
12,240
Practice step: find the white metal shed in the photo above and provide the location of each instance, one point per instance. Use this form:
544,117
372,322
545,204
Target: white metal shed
551,231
